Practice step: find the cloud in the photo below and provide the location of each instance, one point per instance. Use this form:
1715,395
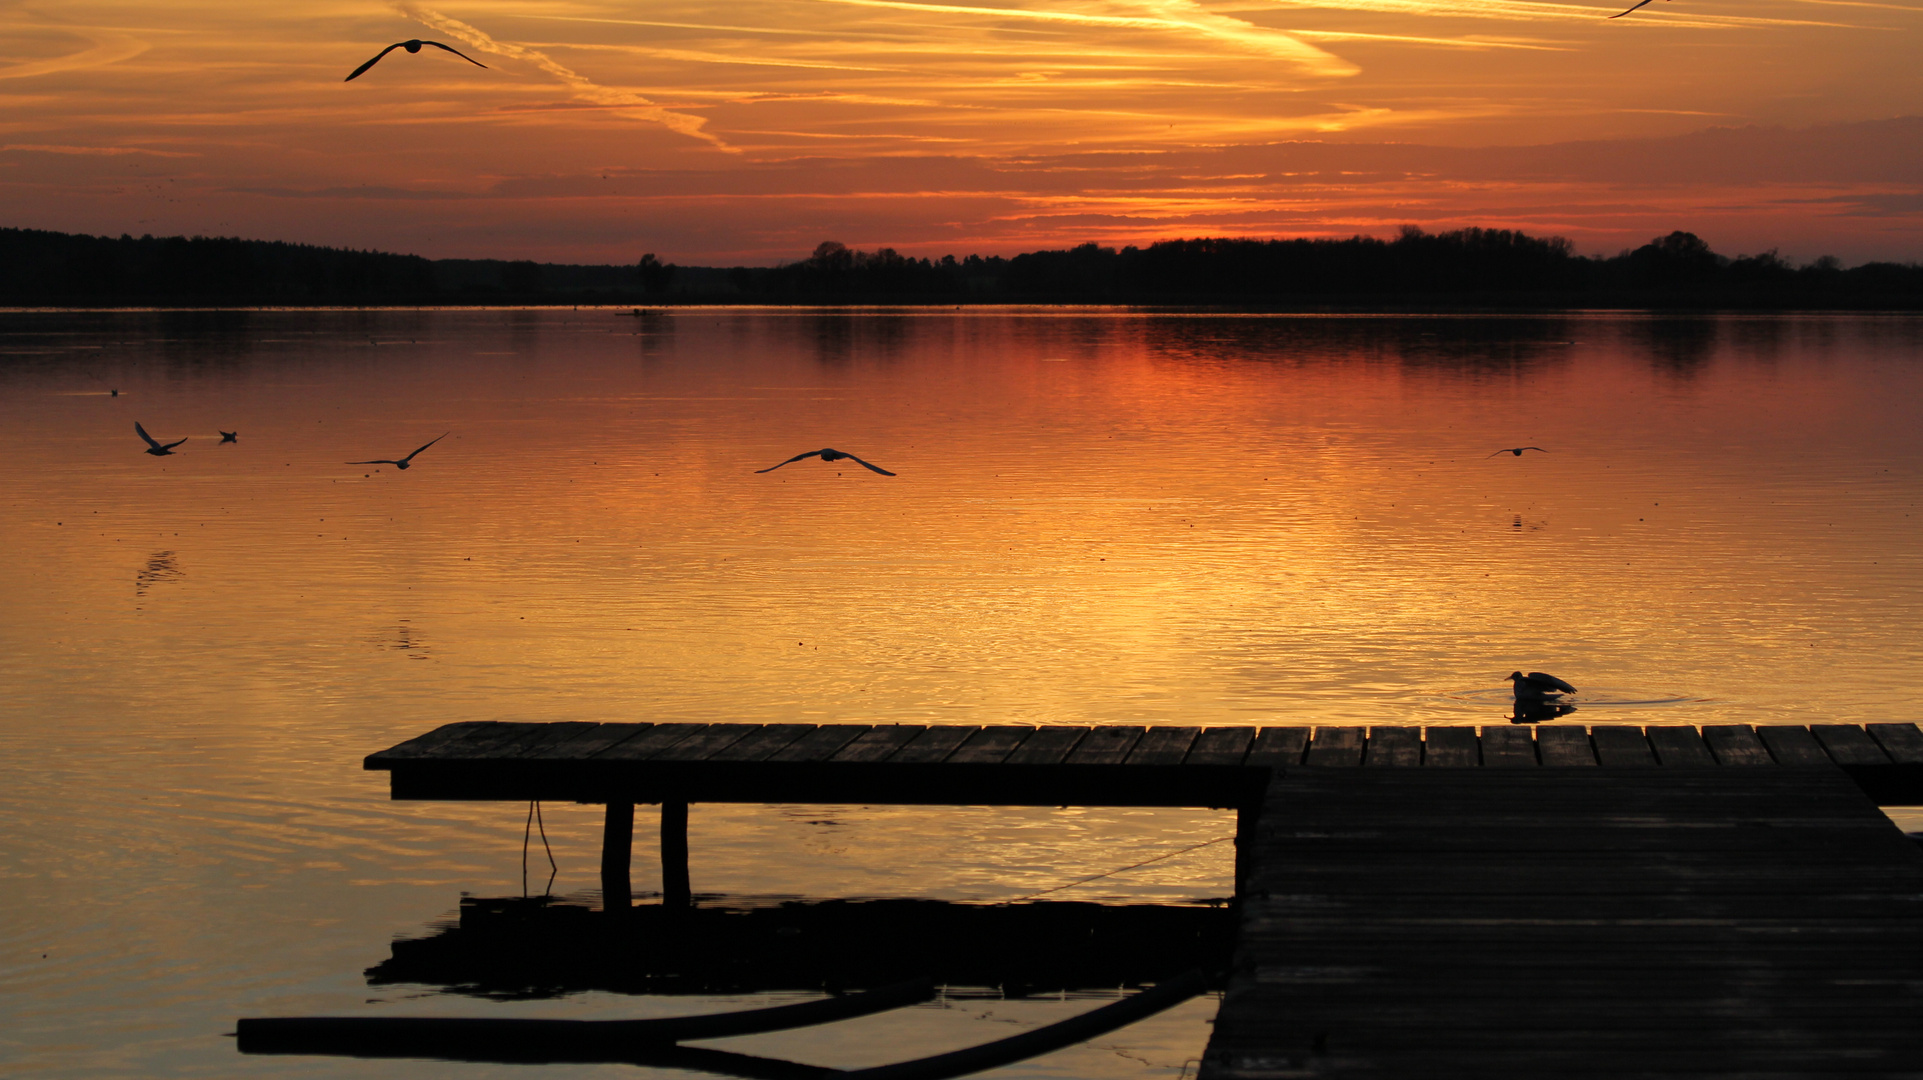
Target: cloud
103,151
1178,16
629,103
107,49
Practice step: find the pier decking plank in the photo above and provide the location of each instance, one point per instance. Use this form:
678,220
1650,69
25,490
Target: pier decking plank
878,744
1221,746
1792,745
1278,746
1902,742
1394,747
1605,922
1338,747
1680,746
1452,748
1736,744
1048,746
1565,747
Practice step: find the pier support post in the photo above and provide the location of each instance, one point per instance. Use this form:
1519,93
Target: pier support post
617,847
1244,845
674,854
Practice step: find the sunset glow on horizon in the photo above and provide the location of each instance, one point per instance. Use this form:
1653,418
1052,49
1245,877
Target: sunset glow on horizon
749,132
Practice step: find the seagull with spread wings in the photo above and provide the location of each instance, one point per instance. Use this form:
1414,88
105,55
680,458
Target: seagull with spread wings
403,462
154,447
1536,686
1620,14
414,46
828,454
1517,450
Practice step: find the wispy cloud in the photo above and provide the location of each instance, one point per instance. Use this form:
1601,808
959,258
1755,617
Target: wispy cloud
630,103
108,48
94,151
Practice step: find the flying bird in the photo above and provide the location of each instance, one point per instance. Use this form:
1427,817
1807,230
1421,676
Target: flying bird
414,46
230,436
403,462
1536,686
1517,450
828,455
153,447
1620,14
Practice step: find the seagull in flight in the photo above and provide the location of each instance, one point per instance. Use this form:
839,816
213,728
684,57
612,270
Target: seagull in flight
1517,450
153,447
828,455
230,436
403,462
1537,686
1620,14
414,46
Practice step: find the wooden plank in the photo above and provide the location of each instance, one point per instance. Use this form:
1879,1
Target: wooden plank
762,742
1048,746
703,744
1508,746
1278,746
1336,746
1105,746
1221,746
1163,746
1902,742
1679,747
425,746
1657,923
934,745
1792,745
1451,747
1849,744
646,744
879,743
819,744
990,745
1621,746
1736,744
1394,747
1564,747
503,741
585,744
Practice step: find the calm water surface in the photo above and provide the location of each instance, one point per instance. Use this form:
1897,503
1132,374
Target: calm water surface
1101,517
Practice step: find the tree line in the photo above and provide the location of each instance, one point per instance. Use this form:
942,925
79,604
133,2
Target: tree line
1464,267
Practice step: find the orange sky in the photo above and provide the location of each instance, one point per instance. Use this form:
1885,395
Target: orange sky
751,130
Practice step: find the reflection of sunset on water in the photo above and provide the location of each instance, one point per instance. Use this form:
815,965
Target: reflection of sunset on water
1098,518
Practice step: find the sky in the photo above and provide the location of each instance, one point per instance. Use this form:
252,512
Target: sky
747,132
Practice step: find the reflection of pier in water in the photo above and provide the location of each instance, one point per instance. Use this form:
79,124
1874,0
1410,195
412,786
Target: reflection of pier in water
533,947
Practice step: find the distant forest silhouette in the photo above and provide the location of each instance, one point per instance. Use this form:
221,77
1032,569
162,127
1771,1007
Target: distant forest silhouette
1463,268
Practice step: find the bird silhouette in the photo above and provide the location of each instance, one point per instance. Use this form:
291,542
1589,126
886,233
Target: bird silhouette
1536,686
1620,14
414,46
153,447
1517,450
403,462
230,436
828,455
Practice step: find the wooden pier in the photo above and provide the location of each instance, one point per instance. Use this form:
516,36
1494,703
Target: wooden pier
1447,901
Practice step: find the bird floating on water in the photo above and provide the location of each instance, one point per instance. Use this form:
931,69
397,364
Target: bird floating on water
1537,686
412,46
828,455
1517,450
229,436
153,446
403,462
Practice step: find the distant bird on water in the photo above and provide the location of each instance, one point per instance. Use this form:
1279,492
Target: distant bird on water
1536,686
414,46
828,455
230,436
1517,450
403,462
153,447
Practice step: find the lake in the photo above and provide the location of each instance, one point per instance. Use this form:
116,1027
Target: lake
1099,516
